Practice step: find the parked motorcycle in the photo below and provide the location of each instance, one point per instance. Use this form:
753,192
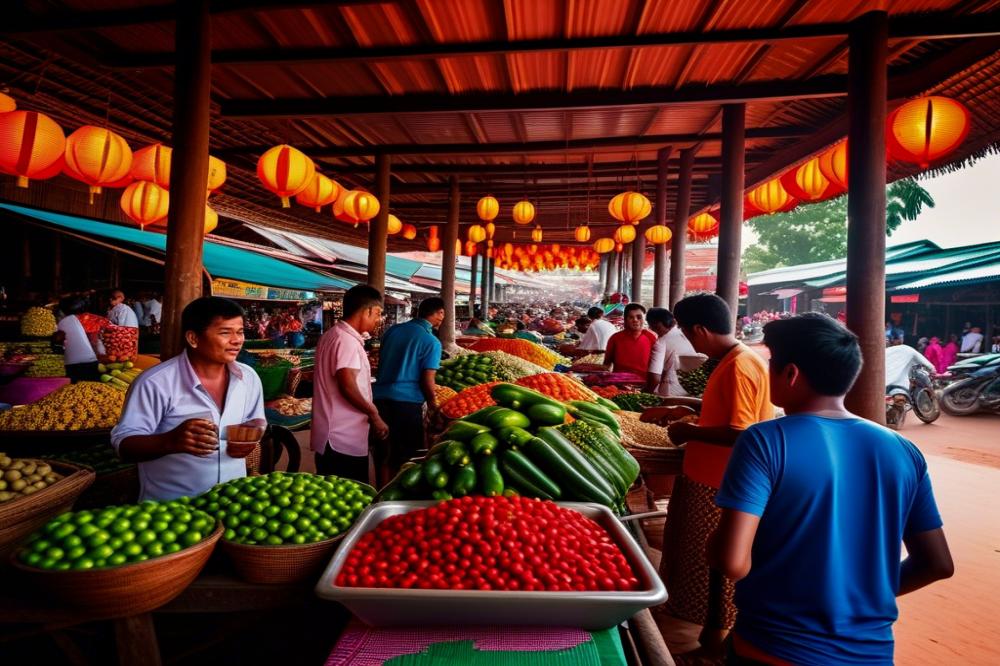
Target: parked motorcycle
919,396
976,391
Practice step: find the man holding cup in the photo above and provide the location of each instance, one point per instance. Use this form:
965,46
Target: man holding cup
175,411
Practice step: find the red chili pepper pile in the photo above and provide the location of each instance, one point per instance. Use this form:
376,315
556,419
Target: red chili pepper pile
489,543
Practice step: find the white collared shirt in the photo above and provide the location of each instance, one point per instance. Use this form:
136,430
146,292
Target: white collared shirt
165,396
597,336
123,315
665,358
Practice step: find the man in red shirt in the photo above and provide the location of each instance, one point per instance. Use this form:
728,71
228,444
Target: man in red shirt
629,350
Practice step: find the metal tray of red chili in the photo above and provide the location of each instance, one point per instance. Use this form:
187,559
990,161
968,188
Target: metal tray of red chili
590,609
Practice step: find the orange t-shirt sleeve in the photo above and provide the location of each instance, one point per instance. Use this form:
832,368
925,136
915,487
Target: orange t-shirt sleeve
750,396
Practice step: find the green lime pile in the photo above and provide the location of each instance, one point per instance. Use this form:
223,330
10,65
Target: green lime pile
285,508
116,535
466,371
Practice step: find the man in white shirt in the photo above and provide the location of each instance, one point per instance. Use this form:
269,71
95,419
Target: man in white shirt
121,314
670,346
898,361
972,342
152,310
595,340
78,346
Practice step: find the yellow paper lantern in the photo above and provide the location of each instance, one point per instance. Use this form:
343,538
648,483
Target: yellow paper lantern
433,241
30,144
658,234
145,203
926,129
409,231
582,233
488,208
216,173
211,220
770,197
604,245
320,192
624,234
536,234
286,172
524,212
7,103
476,234
630,207
96,156
395,225
152,164
491,229
833,164
361,205
702,222
806,181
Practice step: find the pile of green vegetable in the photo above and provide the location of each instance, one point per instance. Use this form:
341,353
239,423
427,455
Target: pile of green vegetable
636,402
466,371
694,381
523,446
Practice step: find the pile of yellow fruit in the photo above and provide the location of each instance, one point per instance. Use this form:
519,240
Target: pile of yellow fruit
47,365
23,476
83,406
38,322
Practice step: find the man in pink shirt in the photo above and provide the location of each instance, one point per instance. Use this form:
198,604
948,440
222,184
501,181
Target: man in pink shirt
343,410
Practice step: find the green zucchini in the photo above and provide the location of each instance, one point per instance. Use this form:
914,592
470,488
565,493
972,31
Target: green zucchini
517,464
572,455
547,415
411,478
513,436
456,455
608,404
434,473
463,481
463,431
507,418
480,416
575,484
588,411
523,487
483,444
520,397
490,480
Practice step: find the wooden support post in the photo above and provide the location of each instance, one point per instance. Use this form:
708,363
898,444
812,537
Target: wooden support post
661,266
866,108
448,261
638,261
484,286
378,229
604,274
188,170
619,276
730,227
494,297
678,242
472,286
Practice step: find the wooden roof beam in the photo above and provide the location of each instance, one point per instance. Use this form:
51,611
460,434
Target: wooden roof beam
599,169
932,25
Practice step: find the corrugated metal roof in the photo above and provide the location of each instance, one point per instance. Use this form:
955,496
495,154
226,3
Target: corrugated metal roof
988,272
833,269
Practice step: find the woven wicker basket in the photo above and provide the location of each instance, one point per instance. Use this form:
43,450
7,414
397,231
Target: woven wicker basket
130,589
22,516
275,565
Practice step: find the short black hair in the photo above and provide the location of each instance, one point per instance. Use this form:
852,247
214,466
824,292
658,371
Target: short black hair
704,309
429,306
360,297
634,306
582,320
595,312
660,316
520,326
826,353
199,314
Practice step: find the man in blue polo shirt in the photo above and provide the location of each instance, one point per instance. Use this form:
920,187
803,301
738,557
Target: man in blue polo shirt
815,508
408,361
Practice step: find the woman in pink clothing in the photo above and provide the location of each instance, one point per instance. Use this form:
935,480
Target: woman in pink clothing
934,354
949,352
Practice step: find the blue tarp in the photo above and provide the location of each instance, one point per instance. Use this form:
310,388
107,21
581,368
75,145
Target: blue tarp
220,261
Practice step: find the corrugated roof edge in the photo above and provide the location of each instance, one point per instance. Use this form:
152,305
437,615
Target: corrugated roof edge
800,272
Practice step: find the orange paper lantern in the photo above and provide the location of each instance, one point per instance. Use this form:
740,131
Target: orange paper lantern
604,245
476,234
582,233
409,232
433,241
491,229
532,249
395,225
361,205
216,173
702,222
619,247
508,249
524,212
536,234
488,208
7,103
286,172
806,181
97,156
211,220
152,164
30,143
470,248
320,192
833,164
145,203
625,234
658,234
926,129
769,197
630,207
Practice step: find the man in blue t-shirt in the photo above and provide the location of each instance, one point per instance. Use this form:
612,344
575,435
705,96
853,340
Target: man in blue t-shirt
409,358
815,508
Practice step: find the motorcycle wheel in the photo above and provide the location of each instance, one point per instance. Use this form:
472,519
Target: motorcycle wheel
926,405
895,415
961,399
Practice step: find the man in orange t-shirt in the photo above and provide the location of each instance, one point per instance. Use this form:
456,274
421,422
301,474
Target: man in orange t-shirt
736,397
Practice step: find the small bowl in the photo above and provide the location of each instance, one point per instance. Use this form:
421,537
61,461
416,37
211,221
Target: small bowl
244,433
240,449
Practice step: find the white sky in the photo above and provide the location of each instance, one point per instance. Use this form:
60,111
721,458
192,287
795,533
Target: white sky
967,209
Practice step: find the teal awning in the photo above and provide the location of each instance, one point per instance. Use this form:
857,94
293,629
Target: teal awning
220,261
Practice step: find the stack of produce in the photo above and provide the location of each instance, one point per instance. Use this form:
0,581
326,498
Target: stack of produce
38,323
47,365
100,458
116,535
525,349
509,368
591,359
609,391
118,375
443,394
694,381
559,386
516,447
469,400
285,508
20,477
545,547
466,371
121,343
637,433
82,406
636,402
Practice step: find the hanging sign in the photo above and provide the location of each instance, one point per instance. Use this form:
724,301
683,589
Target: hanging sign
257,292
905,298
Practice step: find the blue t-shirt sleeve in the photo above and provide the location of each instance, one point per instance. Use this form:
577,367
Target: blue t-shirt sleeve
432,355
924,515
748,482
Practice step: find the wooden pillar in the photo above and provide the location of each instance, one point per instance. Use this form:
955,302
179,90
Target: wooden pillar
661,267
866,107
616,278
605,274
678,242
378,229
491,262
188,170
639,260
472,286
114,281
730,227
447,330
484,285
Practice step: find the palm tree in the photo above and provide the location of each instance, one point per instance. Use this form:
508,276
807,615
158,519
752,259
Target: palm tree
904,199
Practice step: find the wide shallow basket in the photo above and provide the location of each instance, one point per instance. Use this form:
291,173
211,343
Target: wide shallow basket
274,565
130,589
20,517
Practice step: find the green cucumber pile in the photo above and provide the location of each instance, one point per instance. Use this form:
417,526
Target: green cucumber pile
694,381
466,371
523,446
636,402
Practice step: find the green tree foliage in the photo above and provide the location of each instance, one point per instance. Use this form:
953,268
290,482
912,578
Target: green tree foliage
818,232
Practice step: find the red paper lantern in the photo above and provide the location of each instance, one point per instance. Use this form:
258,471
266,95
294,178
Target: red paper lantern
409,232
30,143
7,103
926,129
470,248
433,241
152,164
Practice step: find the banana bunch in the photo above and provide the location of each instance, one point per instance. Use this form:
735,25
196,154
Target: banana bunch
118,375
38,322
82,406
